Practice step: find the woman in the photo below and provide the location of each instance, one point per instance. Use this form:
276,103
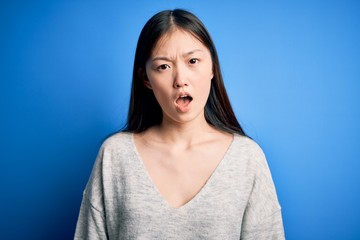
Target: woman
183,167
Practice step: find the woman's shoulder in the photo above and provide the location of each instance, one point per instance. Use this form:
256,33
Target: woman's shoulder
247,143
117,148
118,140
247,148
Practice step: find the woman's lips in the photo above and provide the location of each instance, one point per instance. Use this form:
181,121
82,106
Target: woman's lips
183,102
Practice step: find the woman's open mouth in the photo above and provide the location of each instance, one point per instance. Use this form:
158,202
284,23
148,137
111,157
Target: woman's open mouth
182,102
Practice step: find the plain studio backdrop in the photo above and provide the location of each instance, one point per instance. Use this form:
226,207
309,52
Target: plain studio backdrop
291,68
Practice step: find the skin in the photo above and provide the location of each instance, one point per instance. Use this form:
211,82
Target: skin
174,69
184,150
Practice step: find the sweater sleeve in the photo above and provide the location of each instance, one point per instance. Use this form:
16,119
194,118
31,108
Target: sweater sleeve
91,223
262,217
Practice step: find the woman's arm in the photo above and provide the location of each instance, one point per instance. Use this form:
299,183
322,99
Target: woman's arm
262,218
91,222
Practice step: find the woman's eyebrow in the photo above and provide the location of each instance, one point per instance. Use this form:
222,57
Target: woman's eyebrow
161,58
184,55
192,52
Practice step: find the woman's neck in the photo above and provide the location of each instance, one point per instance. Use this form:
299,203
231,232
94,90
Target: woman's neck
185,134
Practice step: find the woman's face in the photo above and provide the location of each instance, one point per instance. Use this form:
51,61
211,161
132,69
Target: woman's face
179,72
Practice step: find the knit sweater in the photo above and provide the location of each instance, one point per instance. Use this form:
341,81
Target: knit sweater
238,200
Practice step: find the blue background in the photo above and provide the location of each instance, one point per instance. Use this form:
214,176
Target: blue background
292,70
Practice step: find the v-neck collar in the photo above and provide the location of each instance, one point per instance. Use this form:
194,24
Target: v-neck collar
197,197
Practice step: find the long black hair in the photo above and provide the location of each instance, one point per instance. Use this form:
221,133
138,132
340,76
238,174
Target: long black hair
144,110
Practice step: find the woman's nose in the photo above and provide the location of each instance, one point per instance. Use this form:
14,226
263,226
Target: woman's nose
180,78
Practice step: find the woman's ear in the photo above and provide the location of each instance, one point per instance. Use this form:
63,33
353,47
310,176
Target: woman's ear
143,76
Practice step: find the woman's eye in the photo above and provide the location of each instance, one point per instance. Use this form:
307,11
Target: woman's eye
193,60
163,67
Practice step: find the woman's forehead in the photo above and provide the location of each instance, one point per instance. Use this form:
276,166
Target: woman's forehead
177,39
